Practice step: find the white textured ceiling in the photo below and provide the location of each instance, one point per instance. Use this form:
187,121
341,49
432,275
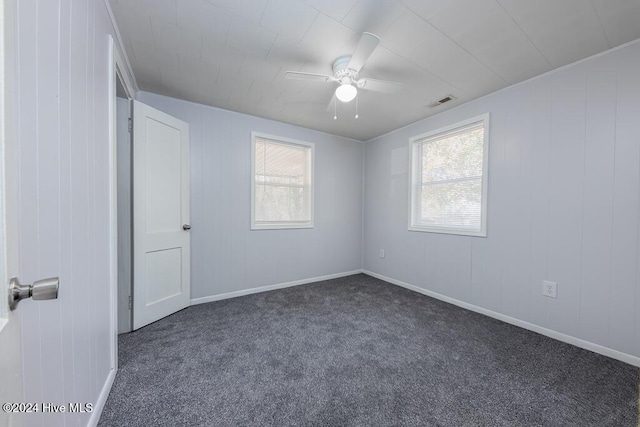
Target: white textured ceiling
233,54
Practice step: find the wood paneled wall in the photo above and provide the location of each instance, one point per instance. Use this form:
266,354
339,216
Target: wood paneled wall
63,161
564,205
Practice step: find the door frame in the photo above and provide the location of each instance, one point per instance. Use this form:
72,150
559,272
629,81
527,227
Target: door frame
117,70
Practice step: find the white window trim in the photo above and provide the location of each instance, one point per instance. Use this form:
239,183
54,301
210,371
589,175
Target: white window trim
284,225
485,178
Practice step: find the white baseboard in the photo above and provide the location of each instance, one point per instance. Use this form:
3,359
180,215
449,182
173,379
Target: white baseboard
587,345
243,292
102,399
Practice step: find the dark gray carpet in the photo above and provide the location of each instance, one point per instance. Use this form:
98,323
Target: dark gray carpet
358,351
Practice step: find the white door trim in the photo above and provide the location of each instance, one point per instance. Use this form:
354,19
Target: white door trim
113,205
116,68
123,63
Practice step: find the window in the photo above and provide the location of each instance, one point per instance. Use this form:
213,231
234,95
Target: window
282,187
448,179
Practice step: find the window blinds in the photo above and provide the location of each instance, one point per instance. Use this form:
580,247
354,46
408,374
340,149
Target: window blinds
448,191
282,182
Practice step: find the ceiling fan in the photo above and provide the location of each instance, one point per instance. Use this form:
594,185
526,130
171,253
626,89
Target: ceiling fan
345,73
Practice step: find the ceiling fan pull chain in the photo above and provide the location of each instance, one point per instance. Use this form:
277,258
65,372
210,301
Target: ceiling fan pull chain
357,106
335,109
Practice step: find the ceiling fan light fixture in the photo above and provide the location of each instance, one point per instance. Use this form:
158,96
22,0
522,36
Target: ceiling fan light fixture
346,92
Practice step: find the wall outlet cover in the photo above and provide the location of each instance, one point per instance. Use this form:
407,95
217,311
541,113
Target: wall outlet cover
550,289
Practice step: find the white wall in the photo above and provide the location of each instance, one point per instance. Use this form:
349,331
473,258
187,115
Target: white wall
226,256
63,161
564,199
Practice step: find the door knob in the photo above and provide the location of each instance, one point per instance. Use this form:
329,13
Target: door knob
186,227
40,290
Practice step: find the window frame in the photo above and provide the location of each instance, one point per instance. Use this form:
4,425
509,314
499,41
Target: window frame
413,177
282,225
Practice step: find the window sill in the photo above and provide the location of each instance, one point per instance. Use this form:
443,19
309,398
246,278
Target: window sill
454,231
258,227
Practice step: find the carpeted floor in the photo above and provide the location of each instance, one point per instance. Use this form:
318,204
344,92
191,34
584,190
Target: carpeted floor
358,351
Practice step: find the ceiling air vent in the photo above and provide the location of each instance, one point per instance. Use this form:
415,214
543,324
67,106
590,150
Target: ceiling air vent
442,101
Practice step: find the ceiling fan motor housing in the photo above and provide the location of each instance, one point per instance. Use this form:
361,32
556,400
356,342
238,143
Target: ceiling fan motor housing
340,69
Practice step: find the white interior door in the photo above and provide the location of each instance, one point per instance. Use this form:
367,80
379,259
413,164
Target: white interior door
11,389
161,241
10,342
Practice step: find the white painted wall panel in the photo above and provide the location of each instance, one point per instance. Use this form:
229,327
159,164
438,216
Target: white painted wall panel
626,187
79,192
493,279
226,255
67,302
564,200
541,101
566,187
48,187
597,221
28,197
63,147
527,178
515,283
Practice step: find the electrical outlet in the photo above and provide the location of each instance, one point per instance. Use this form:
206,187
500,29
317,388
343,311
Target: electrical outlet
550,289
381,253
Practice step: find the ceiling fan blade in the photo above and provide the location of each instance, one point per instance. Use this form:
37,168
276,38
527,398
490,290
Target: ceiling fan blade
379,85
367,44
298,75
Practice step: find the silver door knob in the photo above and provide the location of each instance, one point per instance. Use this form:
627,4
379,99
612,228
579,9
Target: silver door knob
186,227
40,290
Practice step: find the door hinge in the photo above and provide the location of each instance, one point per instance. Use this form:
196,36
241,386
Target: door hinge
130,302
130,125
